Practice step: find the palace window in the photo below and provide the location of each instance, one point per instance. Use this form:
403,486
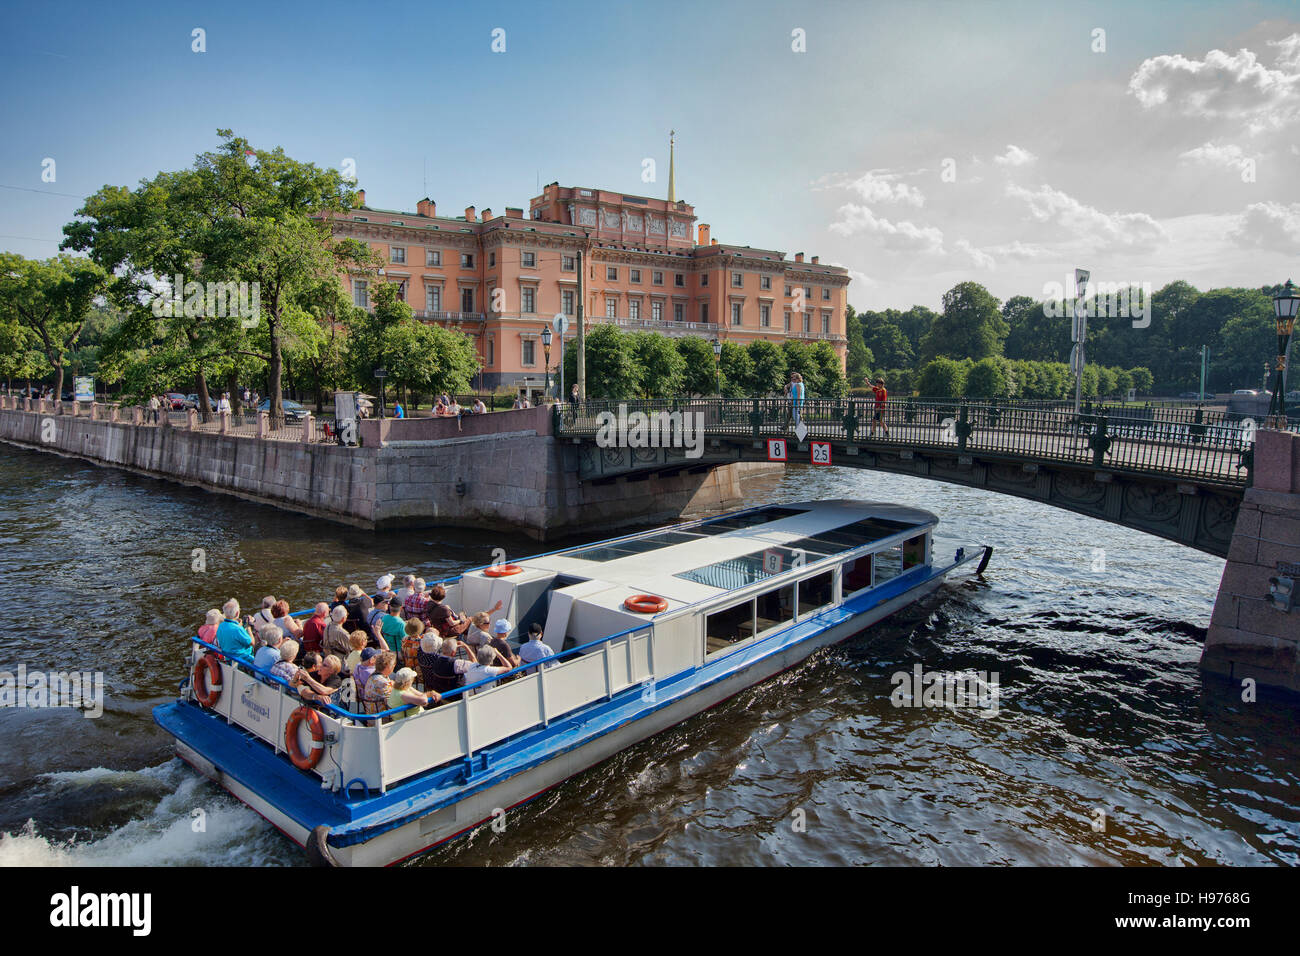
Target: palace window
611,307
566,299
735,313
467,260
787,320
737,280
360,295
765,316
657,311
826,323
704,279
634,309
528,260
657,278
529,352
433,257
634,275
528,300
433,298
397,255
467,300
765,282
611,273
679,312
679,280
826,294
568,264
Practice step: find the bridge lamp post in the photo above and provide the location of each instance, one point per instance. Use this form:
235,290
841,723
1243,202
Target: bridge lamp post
546,351
1285,305
717,366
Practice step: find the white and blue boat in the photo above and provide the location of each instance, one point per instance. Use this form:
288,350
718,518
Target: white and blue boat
647,629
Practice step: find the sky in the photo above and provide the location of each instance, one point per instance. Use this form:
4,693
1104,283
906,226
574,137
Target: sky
916,144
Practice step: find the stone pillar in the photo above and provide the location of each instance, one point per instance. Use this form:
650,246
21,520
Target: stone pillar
1248,635
137,415
112,413
263,424
94,411
225,422
308,428
192,418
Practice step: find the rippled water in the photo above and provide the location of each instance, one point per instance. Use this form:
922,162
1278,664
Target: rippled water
1102,707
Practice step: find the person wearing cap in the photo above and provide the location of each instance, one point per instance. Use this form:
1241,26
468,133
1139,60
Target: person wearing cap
535,649
882,396
364,669
384,586
417,604
404,694
356,613
391,627
500,629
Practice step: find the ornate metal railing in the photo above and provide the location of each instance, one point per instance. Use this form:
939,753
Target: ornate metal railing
1196,444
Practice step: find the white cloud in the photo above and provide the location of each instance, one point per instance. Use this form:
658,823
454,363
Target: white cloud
875,186
902,235
1015,156
1017,250
1224,86
1081,221
978,257
1227,156
1272,225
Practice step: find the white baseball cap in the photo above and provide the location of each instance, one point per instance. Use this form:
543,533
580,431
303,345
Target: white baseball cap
501,626
385,582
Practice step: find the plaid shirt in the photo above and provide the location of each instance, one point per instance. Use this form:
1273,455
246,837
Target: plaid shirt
417,605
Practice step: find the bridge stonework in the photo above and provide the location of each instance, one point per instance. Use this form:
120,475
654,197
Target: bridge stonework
1248,636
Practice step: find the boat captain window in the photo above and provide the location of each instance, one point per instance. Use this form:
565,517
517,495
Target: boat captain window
914,552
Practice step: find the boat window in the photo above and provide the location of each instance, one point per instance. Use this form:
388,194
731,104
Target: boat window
850,536
730,626
914,552
815,592
889,563
857,575
775,607
754,518
746,569
623,549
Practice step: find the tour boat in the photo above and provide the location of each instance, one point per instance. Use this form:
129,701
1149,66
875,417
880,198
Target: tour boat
647,630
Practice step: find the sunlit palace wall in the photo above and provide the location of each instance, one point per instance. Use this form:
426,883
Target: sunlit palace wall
649,265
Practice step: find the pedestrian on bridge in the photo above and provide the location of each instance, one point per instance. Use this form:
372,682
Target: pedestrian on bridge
797,392
882,396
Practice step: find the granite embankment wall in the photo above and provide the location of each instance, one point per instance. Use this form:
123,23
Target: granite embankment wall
501,471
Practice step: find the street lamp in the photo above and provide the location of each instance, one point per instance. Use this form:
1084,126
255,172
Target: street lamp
717,366
1285,305
546,351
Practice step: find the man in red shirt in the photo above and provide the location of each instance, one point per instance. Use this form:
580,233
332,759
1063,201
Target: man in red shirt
313,632
882,396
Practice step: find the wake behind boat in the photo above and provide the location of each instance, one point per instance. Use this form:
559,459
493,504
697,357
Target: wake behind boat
640,633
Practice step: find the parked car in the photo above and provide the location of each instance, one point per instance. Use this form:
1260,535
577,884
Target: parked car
1246,391
192,401
292,410
1190,395
176,400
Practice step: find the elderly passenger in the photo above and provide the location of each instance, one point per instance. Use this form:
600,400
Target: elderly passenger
208,632
489,666
417,604
430,645
338,639
320,682
446,673
287,625
363,670
404,693
285,668
232,637
265,614
313,632
268,655
405,591
380,684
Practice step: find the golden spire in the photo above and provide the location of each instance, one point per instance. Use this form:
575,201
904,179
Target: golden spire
672,191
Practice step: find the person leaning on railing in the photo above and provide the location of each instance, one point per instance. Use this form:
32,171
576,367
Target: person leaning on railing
404,693
319,679
380,684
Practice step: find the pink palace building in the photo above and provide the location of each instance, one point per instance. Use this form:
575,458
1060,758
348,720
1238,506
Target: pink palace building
500,278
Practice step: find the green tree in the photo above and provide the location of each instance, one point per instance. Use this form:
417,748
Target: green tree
989,378
659,364
51,299
737,370
971,326
1142,380
699,367
611,364
769,368
830,381
942,378
860,358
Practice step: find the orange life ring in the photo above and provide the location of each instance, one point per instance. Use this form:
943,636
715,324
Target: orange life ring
501,570
645,604
304,761
207,680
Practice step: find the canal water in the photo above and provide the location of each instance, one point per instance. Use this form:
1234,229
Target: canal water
1107,747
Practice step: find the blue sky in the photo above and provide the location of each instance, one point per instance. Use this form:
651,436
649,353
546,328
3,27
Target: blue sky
1130,160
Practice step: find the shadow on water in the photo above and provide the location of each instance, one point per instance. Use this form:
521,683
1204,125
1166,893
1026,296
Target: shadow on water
1107,747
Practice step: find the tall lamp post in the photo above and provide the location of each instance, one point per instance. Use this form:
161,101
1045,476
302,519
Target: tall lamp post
546,352
717,366
1285,305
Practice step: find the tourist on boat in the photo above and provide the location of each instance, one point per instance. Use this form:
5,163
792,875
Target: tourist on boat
356,613
500,629
405,693
361,673
391,627
446,673
489,665
366,624
358,641
427,655
535,649
313,632
338,639
477,634
232,637
417,603
265,614
320,679
379,685
208,632
285,668
404,592
268,655
384,586
287,624
441,616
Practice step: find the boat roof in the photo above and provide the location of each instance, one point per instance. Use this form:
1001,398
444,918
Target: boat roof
691,562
